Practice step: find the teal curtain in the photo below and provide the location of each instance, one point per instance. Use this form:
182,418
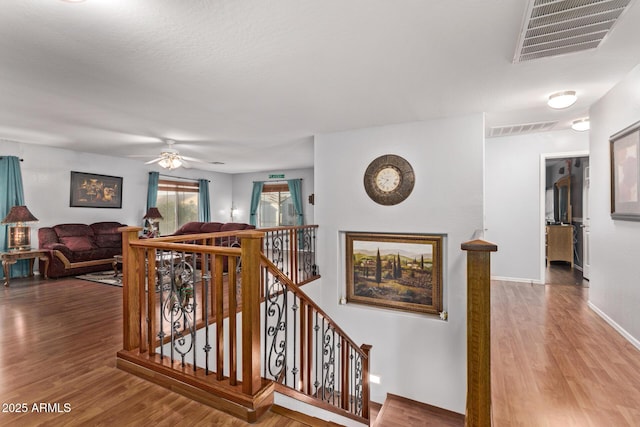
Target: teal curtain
11,194
152,190
204,204
255,201
295,188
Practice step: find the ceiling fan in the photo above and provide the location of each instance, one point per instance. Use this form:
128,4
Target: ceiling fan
170,158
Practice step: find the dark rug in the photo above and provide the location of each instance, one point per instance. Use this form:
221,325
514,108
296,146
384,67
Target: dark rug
107,277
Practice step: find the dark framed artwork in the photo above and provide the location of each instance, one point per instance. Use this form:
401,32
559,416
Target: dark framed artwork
89,190
397,271
625,173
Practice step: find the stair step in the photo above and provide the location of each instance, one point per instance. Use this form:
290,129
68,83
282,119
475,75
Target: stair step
399,411
302,418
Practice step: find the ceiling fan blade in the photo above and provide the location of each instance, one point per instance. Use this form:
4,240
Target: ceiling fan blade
193,159
153,161
185,164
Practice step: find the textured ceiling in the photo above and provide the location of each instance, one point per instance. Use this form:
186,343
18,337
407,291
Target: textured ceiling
249,83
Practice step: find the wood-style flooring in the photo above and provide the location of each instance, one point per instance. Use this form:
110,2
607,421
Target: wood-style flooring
554,362
557,363
58,341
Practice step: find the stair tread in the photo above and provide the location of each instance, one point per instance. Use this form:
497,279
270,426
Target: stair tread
399,411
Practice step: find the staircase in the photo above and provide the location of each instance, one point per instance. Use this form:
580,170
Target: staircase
231,337
235,338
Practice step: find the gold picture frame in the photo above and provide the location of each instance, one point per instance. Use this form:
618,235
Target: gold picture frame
396,271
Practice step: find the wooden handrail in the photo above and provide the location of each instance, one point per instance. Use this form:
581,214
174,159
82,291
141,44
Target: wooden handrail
478,408
307,300
333,371
174,293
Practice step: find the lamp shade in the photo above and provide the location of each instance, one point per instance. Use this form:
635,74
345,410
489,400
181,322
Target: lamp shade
153,213
19,214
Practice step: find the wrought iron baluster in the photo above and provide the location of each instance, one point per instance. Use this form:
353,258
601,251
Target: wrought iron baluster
276,311
206,281
316,329
294,371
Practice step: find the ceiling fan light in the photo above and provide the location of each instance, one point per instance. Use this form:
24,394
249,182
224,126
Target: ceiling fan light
562,99
581,125
170,162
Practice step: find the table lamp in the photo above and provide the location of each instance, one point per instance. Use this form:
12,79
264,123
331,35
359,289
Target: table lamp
19,233
152,225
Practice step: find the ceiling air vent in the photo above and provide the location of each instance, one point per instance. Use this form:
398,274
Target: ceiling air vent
520,129
556,27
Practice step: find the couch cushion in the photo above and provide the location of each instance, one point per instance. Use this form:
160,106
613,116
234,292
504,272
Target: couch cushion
47,236
78,243
211,227
233,226
190,228
66,230
109,241
107,227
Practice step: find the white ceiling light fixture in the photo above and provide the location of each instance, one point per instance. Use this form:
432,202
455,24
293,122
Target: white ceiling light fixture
581,125
169,157
171,161
562,99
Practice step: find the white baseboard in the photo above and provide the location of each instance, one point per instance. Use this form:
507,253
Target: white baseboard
614,325
518,280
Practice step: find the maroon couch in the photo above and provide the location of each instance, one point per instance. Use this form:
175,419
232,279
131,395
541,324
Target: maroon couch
214,227
79,248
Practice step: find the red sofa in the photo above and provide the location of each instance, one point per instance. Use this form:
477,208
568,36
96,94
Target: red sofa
213,227
80,248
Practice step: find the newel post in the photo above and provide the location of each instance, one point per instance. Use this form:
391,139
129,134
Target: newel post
130,289
251,246
478,410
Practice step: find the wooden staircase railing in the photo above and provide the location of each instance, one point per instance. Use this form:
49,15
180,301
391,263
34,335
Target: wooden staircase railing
307,354
195,320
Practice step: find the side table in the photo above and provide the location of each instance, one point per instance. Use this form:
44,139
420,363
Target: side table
10,258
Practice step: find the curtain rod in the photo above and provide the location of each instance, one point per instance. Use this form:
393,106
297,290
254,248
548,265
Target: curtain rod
181,177
2,157
278,180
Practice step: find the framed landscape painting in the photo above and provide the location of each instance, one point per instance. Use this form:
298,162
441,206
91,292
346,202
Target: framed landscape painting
397,271
625,174
89,190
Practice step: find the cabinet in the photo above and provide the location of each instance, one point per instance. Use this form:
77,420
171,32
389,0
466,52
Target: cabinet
559,243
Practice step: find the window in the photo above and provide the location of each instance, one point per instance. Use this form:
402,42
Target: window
178,204
276,206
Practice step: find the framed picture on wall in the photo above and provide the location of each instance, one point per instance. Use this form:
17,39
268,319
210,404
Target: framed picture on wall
625,174
397,271
90,190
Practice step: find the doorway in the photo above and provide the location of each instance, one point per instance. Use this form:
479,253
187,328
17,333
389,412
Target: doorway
564,217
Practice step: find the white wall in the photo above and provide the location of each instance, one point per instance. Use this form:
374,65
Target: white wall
243,185
513,199
417,356
615,270
46,179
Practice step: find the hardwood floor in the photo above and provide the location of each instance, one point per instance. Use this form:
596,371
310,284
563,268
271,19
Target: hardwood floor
58,341
554,361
